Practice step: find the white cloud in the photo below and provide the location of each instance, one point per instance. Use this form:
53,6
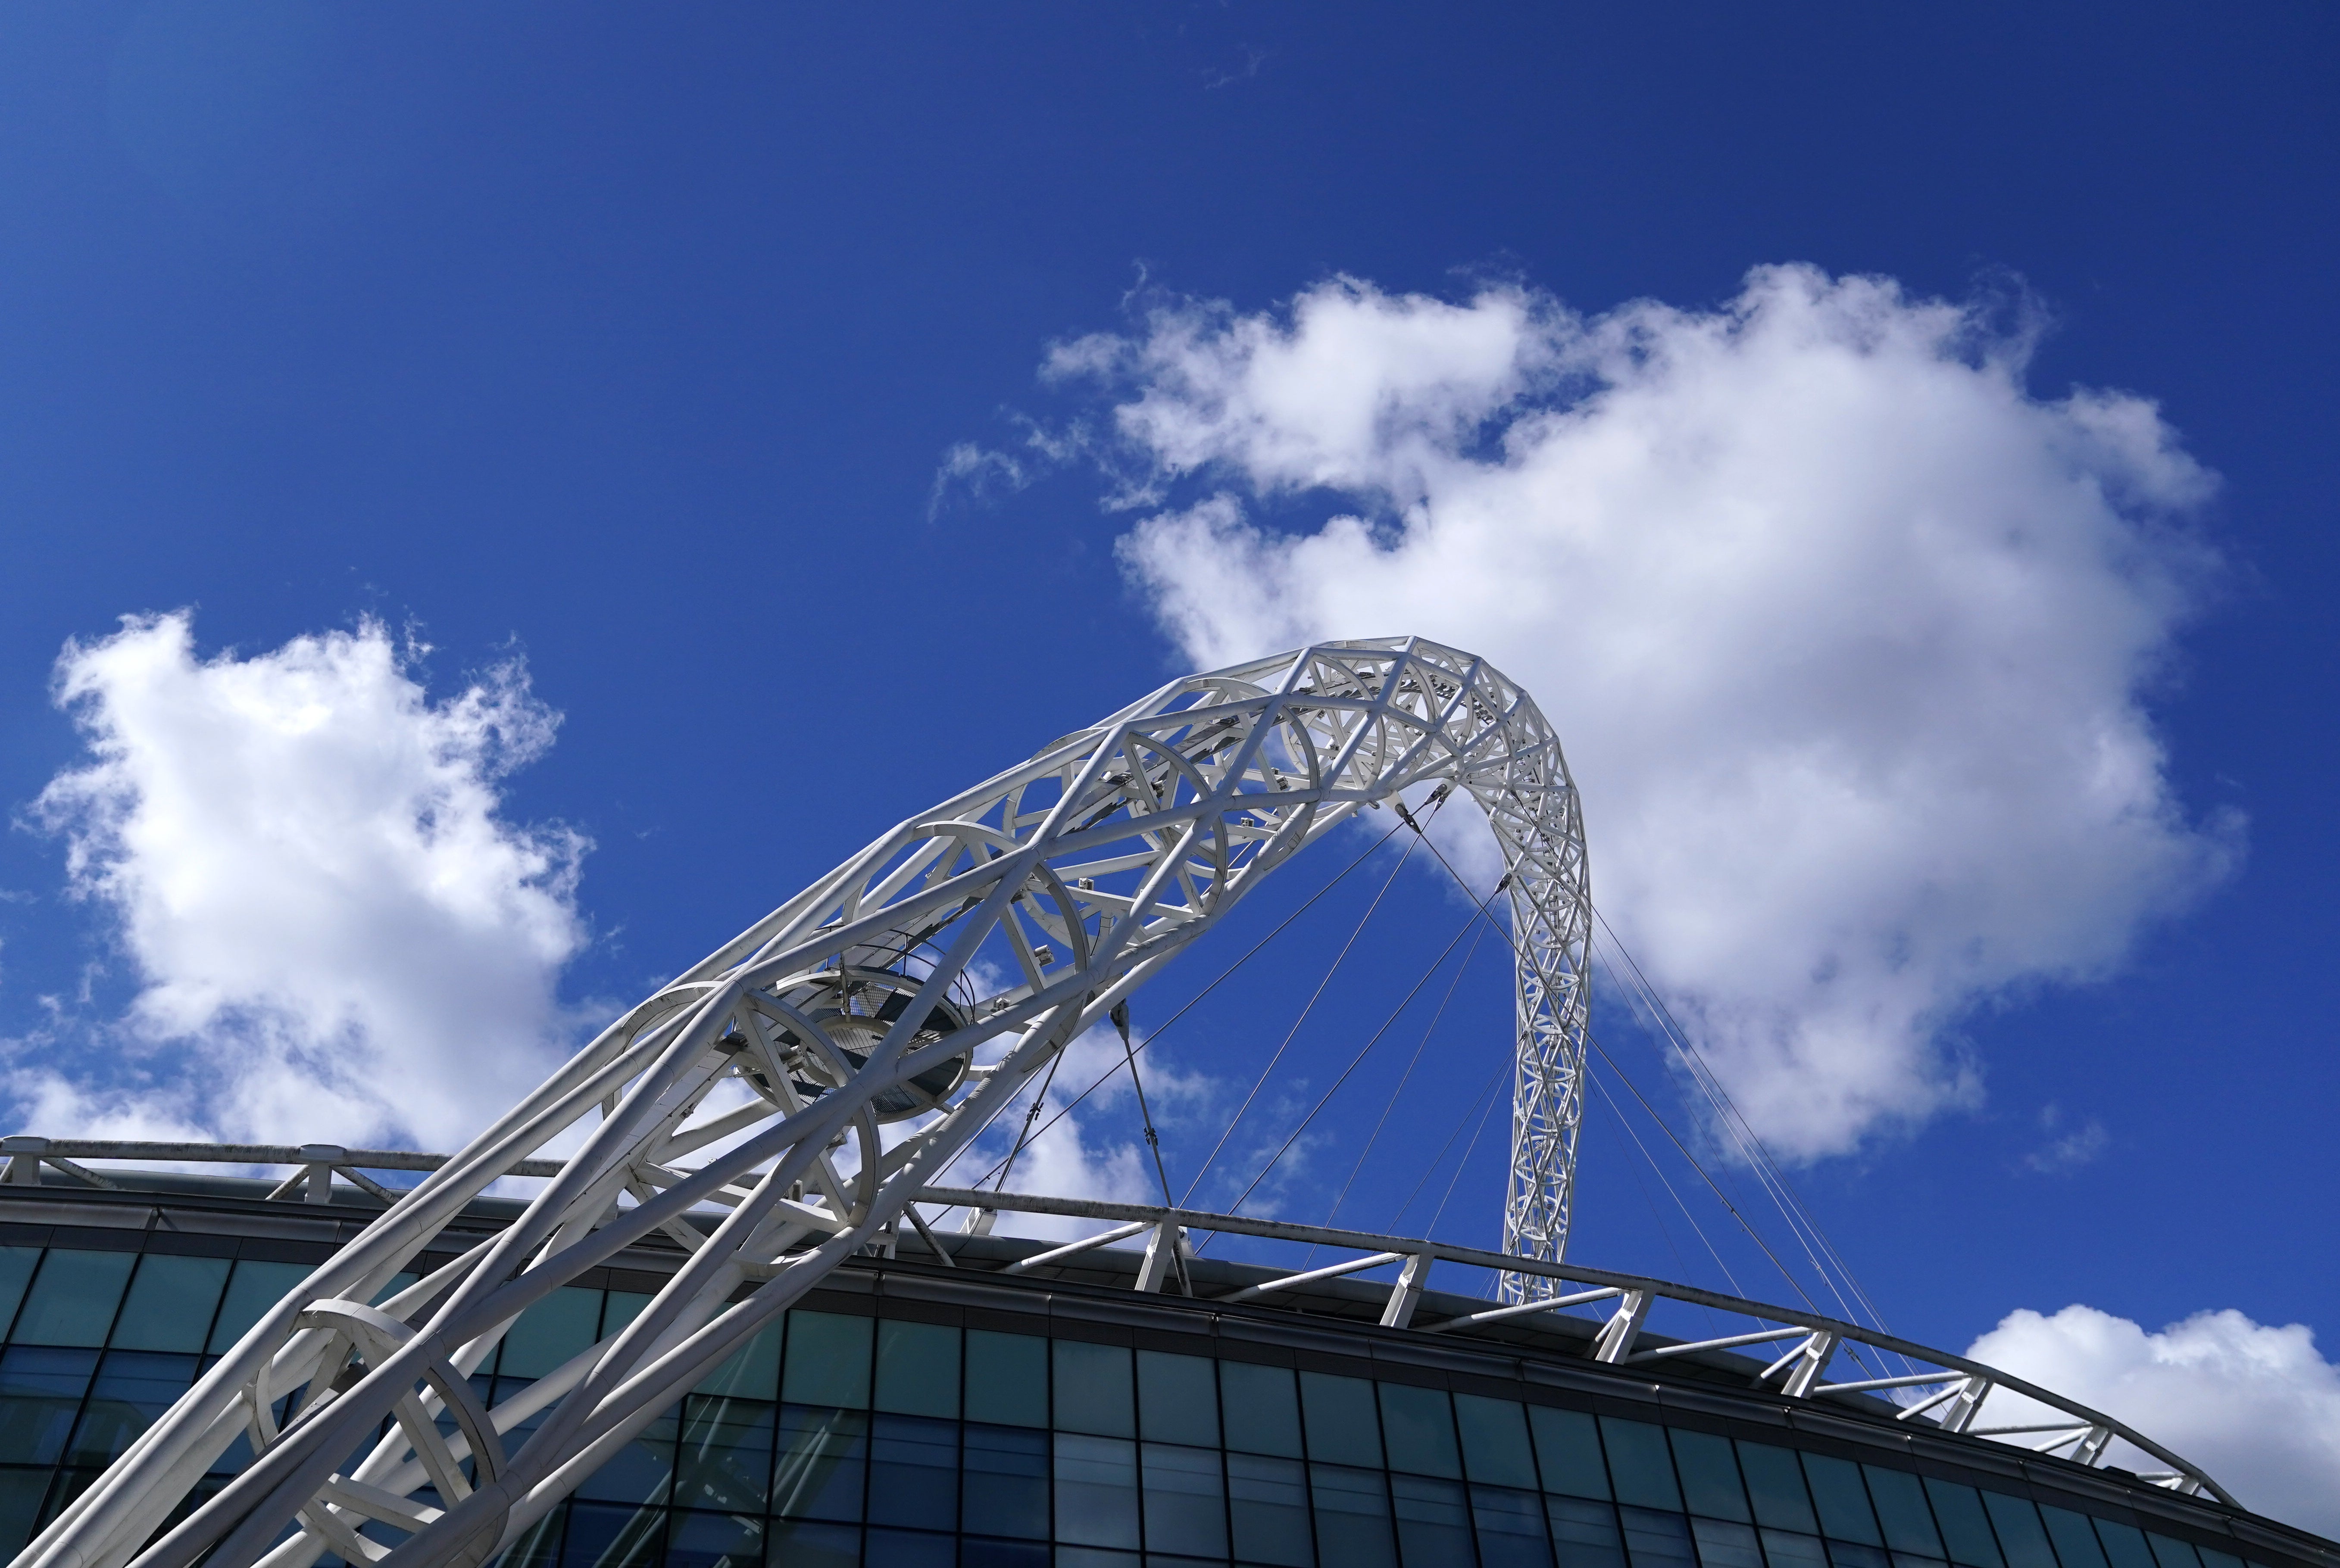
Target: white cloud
2073,1149
2254,1405
337,936
1846,635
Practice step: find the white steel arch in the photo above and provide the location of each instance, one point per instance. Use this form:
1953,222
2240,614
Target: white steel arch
759,1080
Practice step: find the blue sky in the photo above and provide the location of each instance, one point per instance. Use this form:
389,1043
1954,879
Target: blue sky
688,376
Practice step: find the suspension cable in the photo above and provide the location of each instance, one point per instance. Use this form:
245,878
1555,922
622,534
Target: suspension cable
1439,1159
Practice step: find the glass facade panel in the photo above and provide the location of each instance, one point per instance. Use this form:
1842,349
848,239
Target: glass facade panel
21,1492
1568,1452
1901,1511
1418,1427
918,1369
798,1543
1006,1378
643,1471
2172,1553
72,1297
1656,1540
821,1462
1725,1543
1178,1398
702,1540
724,1455
40,1395
1433,1521
132,1389
908,1549
1843,1501
976,1552
1495,1449
1639,1467
2076,1540
2021,1535
1511,1528
1775,1486
1267,1509
1850,1554
1965,1530
1584,1533
827,1360
750,1371
1006,1487
1789,1549
1093,1392
16,1265
1263,1408
912,1471
2125,1545
1342,1427
1097,1489
2212,1558
171,1303
251,1289
1709,1475
551,1332
608,1536
1353,1519
1185,1501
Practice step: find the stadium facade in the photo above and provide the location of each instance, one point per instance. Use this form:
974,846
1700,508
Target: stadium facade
1003,1408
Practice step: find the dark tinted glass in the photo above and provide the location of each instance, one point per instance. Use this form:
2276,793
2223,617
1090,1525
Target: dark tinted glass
908,1549
1342,1427
917,1368
1639,1467
2213,1558
1584,1533
1775,1486
1185,1503
1709,1475
551,1332
251,1289
132,1389
2020,1531
1267,1508
822,1461
1094,1393
643,1471
1353,1521
2075,1538
1263,1408
21,1491
1568,1452
1965,1531
724,1455
16,1272
1789,1549
1434,1520
800,1544
170,1303
695,1540
750,1371
1006,1378
1418,1428
608,1535
72,1297
1097,1489
912,1471
2125,1545
40,1395
2172,1553
1511,1528
1005,1491
827,1360
1843,1501
1725,1543
1655,1539
1900,1499
1178,1398
1495,1449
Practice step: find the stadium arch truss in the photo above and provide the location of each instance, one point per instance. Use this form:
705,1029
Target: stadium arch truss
925,983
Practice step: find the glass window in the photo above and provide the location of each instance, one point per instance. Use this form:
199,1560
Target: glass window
1178,1398
21,1490
912,1471
909,1549
251,1290
696,1540
1433,1521
170,1303
2214,1558
1262,1405
724,1455
750,1371
1353,1521
1725,1543
1006,1487
1638,1465
1792,1549
1847,1554
72,1297
2124,1544
1495,1443
602,1536
619,1308
1958,1511
16,1271
1094,1393
1185,1501
917,1368
1097,1489
1900,1499
1568,1452
2020,1532
1841,1500
1656,1540
132,1390
551,1332
1006,1378
822,1461
641,1472
1418,1426
827,1360
40,1395
1342,1427
801,1544
1775,1484
1510,1526
1709,1475
2076,1541
1584,1533
2172,1553
1267,1505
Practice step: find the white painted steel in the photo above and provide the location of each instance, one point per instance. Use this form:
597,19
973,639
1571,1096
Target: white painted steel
923,983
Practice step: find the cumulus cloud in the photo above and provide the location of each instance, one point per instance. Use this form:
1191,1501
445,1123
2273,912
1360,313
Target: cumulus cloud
336,935
1848,634
2254,1405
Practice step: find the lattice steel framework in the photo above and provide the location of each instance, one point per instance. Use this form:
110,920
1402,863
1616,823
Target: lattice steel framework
922,984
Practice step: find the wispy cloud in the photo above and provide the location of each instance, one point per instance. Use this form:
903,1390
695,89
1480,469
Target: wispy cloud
2067,1149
